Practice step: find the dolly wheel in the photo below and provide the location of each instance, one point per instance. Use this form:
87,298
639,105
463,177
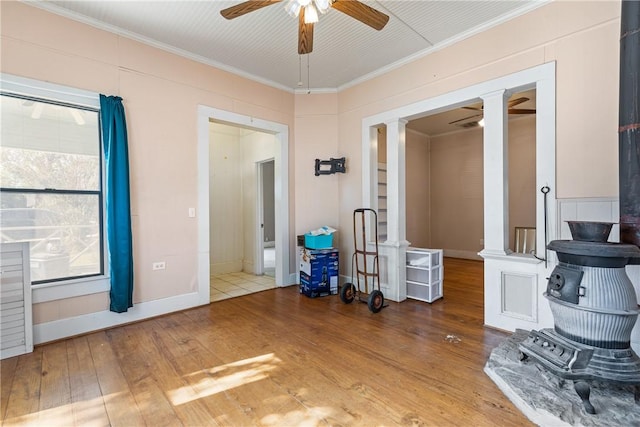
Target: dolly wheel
376,301
347,293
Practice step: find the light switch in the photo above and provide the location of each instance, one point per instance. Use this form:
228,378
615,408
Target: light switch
192,212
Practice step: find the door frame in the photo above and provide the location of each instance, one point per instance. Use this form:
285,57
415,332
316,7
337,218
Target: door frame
259,225
280,131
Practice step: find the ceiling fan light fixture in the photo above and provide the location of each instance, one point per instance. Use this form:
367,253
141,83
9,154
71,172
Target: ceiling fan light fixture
307,13
322,5
293,8
310,14
312,7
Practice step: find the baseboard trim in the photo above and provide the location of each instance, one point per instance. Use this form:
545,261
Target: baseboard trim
249,267
293,280
454,253
225,267
72,326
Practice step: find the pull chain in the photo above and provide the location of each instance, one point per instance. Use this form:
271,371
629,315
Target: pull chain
308,78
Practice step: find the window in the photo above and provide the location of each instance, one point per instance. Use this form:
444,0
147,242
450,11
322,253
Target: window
51,185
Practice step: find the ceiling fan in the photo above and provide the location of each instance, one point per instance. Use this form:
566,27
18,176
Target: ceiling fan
307,13
473,123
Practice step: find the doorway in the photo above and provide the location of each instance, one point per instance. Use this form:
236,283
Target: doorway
444,178
266,224
505,273
250,127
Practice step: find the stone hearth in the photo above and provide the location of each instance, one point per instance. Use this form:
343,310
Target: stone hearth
548,400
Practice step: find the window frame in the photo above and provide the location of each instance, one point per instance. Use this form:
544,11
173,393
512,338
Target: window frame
69,287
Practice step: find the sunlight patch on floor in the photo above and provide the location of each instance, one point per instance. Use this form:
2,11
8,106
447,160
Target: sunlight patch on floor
224,377
86,413
309,417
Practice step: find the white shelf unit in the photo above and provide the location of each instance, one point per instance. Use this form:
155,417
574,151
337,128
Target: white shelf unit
382,201
425,273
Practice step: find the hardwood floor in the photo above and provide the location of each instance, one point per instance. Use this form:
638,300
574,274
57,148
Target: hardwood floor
274,358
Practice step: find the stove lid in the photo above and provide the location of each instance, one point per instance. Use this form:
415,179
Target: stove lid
596,249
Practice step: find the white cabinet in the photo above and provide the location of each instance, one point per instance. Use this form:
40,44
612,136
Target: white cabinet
15,300
425,274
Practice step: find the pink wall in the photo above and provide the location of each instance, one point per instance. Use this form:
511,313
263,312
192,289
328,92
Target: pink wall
522,175
316,134
581,37
161,92
418,189
457,193
457,196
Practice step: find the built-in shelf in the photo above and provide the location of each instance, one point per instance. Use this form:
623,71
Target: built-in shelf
382,201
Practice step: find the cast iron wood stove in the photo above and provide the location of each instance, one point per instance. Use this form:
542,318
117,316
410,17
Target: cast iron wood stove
594,309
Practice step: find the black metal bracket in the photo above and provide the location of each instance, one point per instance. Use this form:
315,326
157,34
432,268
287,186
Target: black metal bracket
331,166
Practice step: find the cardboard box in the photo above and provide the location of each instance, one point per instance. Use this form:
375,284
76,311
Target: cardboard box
319,272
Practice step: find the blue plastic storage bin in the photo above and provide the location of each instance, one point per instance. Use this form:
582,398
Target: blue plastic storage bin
321,241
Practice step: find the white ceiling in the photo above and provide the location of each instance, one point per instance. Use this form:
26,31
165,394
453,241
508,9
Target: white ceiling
262,45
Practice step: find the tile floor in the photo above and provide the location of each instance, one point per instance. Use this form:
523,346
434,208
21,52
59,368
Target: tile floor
236,284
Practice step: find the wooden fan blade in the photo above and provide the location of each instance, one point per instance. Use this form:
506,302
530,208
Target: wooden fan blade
517,101
305,35
246,7
465,118
363,13
521,111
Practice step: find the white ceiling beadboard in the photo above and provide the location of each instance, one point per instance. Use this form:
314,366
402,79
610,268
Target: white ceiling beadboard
262,45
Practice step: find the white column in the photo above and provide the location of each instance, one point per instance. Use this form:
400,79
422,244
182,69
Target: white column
496,174
396,171
396,210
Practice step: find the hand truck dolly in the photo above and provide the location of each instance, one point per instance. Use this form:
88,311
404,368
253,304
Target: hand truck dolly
360,265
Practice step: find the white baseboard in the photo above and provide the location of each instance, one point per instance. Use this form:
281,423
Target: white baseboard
293,280
72,326
249,267
225,267
454,253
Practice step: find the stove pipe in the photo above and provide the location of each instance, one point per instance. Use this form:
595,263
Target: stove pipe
629,124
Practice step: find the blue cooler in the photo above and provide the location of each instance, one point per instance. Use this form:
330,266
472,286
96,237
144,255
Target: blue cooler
321,241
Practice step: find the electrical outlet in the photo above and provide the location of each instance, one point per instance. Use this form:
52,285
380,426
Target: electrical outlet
159,265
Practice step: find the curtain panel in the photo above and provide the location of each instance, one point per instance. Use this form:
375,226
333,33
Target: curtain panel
118,205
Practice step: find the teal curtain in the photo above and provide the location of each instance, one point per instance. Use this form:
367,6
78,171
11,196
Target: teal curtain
118,207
